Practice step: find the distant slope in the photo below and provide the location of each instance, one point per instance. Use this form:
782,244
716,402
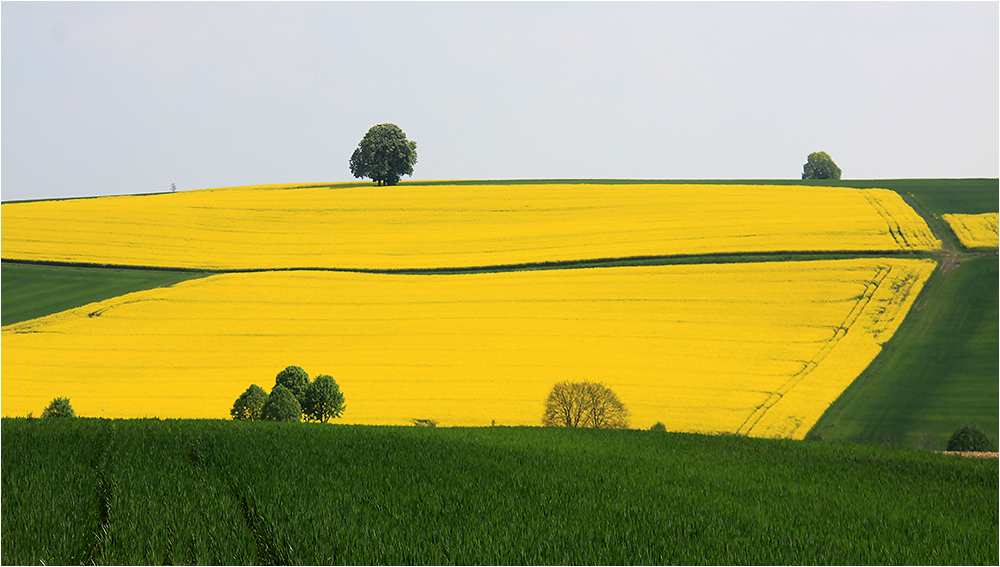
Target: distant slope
940,370
760,349
455,225
30,291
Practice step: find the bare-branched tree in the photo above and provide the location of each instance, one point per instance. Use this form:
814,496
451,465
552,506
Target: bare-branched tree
584,404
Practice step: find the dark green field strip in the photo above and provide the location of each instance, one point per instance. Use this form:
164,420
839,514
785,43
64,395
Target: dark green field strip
30,291
270,493
940,196
938,372
664,260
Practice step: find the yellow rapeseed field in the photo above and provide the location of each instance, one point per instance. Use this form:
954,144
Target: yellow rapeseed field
760,349
975,231
431,226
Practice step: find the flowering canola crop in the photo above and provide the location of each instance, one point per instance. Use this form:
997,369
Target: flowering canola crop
432,226
975,231
760,349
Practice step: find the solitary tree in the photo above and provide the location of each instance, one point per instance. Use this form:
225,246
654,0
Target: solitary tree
250,404
969,438
59,407
584,404
323,399
819,165
295,379
384,155
281,405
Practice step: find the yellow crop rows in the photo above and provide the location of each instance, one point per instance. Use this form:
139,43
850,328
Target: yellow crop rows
414,226
760,349
975,231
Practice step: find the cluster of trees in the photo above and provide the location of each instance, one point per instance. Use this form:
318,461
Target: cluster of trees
292,398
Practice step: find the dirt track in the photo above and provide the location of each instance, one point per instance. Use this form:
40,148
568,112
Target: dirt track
972,454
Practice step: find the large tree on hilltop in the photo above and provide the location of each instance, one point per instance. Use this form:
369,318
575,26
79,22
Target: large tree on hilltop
819,165
384,155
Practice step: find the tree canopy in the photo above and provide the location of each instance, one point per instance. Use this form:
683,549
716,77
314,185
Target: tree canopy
295,379
969,438
250,404
323,399
584,404
292,398
384,155
819,165
59,407
282,405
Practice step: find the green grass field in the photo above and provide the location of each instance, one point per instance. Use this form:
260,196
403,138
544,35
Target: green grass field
186,492
937,373
30,291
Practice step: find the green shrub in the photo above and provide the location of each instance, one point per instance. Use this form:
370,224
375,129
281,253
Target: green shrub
281,405
59,407
969,438
658,426
250,404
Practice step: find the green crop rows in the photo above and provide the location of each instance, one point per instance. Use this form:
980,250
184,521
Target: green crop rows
937,373
151,491
31,290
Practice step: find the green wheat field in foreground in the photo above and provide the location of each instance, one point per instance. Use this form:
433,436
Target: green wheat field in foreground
217,492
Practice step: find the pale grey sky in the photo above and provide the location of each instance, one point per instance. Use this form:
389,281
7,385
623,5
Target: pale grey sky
122,97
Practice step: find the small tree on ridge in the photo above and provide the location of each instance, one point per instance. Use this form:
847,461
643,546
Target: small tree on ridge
250,404
59,407
584,404
819,165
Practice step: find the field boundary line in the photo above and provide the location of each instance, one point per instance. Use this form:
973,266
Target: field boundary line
841,331
622,261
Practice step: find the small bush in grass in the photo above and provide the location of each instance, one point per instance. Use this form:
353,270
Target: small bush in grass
658,426
969,438
59,407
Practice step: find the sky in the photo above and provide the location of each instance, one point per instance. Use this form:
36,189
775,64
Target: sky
129,97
